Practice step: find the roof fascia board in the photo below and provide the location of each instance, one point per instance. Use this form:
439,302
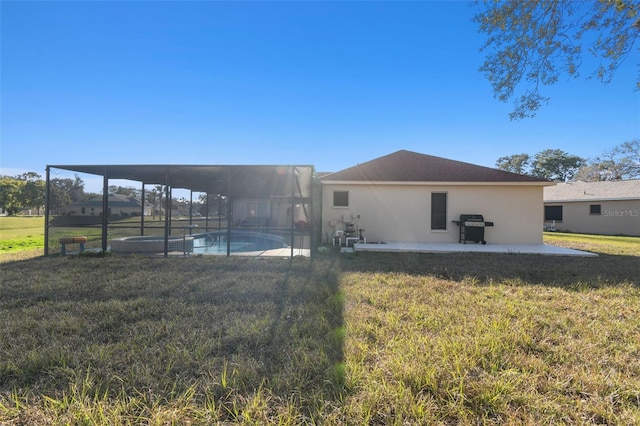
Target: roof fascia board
588,200
413,183
74,167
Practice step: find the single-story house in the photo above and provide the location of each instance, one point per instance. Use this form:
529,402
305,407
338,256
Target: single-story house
411,197
119,205
607,208
401,197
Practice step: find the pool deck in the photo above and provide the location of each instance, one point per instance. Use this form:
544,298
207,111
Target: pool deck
543,249
279,252
406,247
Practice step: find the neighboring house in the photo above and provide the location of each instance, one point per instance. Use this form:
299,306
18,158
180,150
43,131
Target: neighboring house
181,208
411,197
608,208
119,205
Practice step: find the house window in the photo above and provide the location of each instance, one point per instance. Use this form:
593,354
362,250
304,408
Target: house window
340,198
595,209
438,210
83,210
552,212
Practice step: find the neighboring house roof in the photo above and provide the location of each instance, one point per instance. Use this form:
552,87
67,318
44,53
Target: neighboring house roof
115,200
593,191
408,166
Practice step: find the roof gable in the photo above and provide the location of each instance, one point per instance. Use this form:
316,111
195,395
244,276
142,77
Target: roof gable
408,166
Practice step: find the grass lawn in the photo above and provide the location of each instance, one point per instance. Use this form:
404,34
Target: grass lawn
19,233
370,338
599,243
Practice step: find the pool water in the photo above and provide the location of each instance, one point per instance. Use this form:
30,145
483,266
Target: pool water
241,241
200,247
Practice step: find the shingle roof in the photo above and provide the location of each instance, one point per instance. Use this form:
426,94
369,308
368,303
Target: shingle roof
408,166
585,191
115,200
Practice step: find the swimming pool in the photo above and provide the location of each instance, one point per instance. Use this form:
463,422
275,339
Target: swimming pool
241,241
151,244
205,243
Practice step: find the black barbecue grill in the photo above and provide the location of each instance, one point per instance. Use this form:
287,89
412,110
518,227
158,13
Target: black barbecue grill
472,228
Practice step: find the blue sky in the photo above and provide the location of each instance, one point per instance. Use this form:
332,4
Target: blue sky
324,83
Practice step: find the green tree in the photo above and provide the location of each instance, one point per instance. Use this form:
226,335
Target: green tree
64,192
75,187
129,191
29,176
11,194
21,192
533,43
556,165
517,163
33,193
155,198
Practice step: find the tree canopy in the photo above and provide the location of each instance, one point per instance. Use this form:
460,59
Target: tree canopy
129,191
551,164
532,43
25,191
517,163
556,165
619,163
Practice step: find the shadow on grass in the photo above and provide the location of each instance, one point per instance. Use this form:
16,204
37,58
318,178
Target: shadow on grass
491,268
157,328
228,330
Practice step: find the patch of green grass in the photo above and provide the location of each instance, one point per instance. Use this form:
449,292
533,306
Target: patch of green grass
18,233
371,338
601,243
24,243
18,224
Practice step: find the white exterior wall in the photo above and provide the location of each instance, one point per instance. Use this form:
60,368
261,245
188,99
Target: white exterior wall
617,217
97,211
400,212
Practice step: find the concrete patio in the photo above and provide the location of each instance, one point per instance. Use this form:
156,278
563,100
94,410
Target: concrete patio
543,249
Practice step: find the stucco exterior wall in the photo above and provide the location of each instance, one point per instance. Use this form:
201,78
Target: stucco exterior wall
617,217
396,212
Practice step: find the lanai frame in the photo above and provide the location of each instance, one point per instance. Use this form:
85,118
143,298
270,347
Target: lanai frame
297,184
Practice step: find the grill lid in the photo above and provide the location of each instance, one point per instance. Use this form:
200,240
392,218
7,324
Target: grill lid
476,220
471,218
